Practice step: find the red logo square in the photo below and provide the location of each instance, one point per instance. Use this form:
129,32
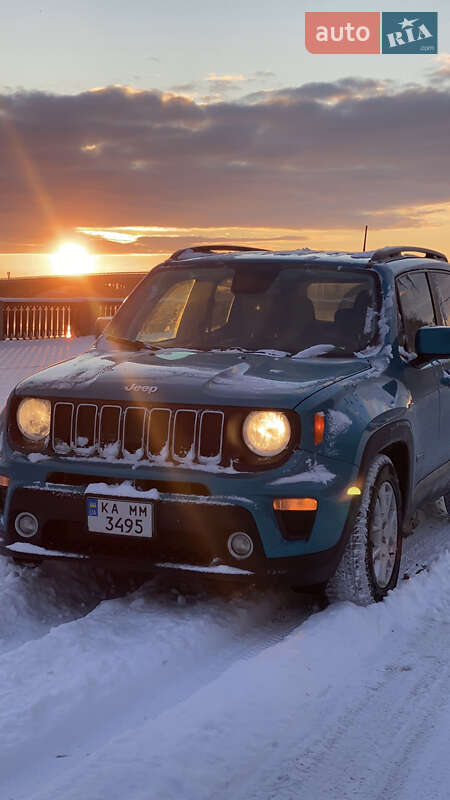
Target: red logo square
342,32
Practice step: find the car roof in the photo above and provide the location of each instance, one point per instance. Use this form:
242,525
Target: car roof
398,259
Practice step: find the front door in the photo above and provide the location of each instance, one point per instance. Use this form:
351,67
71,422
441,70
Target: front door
421,378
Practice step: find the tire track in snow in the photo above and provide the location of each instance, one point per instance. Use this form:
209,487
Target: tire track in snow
363,744
429,701
34,600
126,661
327,712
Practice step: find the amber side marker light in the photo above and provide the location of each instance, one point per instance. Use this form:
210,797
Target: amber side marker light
295,504
319,427
353,491
4,481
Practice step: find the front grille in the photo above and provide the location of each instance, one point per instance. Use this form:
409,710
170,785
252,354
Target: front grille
176,435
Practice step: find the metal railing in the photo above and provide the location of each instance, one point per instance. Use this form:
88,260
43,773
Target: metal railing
52,319
37,321
108,309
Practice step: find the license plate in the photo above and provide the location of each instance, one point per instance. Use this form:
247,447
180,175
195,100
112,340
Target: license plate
120,517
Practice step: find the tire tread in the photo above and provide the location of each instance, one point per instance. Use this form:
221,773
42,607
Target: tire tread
353,580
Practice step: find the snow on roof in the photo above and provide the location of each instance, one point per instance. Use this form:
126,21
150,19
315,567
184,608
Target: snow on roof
304,253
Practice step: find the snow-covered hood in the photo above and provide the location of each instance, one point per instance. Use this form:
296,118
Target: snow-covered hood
208,378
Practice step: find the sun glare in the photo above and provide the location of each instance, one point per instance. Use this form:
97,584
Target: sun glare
72,259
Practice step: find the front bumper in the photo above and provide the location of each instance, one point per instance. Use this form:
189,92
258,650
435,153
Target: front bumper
191,530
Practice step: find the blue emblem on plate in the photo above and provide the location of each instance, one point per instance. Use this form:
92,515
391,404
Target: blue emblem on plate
92,507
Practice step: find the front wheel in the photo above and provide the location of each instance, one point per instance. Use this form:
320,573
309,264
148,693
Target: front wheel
371,561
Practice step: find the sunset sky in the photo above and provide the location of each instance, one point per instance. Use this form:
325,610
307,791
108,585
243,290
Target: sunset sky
136,128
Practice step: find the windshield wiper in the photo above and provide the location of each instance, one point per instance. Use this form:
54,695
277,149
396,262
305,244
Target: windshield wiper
338,352
132,344
226,349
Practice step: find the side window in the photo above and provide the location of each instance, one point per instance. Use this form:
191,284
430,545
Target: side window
441,285
416,305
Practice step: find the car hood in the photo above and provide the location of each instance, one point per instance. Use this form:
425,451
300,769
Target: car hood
202,378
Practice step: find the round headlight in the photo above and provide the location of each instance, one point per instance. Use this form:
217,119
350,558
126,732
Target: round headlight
266,433
33,418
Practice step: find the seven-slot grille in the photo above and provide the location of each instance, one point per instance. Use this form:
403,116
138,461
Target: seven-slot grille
182,435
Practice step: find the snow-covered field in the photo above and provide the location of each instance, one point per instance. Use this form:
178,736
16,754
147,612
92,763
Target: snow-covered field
20,359
109,693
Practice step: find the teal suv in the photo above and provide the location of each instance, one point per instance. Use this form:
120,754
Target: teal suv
247,415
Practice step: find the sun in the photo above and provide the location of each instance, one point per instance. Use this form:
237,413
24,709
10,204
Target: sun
72,259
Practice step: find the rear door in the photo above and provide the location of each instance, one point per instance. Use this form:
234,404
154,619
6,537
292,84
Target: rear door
440,284
420,377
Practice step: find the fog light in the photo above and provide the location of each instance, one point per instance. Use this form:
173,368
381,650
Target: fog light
4,481
26,525
295,504
240,545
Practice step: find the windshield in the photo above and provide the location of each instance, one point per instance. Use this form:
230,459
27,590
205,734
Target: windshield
252,307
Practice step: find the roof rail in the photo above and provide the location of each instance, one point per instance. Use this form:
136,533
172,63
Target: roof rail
385,254
212,248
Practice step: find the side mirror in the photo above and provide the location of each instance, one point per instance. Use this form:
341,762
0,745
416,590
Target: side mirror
100,325
433,341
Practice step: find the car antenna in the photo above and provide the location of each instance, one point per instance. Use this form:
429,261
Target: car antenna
365,239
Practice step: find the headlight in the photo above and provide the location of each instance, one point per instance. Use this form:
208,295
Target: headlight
33,418
266,433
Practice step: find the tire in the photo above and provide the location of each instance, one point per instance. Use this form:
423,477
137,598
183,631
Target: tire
370,564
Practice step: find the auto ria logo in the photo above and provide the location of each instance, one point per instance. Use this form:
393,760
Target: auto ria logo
371,32
409,33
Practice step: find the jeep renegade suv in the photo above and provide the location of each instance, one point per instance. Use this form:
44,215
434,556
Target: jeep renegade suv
246,414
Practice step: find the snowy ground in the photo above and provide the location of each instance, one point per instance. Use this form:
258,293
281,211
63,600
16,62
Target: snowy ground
107,694
20,359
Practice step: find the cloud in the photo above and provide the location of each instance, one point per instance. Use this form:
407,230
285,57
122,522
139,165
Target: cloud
166,239
213,78
262,75
317,156
218,86
441,72
325,92
184,88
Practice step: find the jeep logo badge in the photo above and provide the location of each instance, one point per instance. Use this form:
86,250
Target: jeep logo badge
136,387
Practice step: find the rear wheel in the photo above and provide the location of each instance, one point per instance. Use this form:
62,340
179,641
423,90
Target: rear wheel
371,561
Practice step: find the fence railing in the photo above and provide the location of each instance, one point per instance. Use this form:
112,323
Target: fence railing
52,319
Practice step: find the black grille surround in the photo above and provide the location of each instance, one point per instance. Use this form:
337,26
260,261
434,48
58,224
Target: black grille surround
159,434
136,431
